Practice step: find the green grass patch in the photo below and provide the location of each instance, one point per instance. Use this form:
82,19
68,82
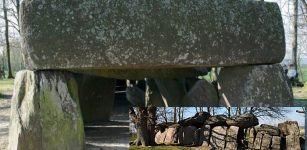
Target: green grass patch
6,85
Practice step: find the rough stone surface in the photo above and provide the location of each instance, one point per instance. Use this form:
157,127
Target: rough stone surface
172,91
217,139
204,137
96,95
202,94
275,142
289,128
186,135
243,121
217,120
197,120
171,136
45,112
123,34
268,129
258,140
152,95
231,138
266,141
159,137
250,86
251,137
293,142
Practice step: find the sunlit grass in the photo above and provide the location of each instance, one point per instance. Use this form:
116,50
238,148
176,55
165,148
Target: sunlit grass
6,85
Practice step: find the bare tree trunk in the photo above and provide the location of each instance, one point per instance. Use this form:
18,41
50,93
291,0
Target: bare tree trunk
294,42
304,5
175,115
10,75
141,125
165,115
228,112
179,110
251,110
140,121
151,123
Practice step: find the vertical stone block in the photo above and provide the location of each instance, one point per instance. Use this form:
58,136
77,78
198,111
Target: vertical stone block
250,137
45,112
159,137
276,142
186,135
258,140
96,96
266,141
171,136
261,85
293,142
204,138
218,135
231,138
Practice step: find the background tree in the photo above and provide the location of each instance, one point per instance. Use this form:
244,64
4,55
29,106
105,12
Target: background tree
145,121
5,10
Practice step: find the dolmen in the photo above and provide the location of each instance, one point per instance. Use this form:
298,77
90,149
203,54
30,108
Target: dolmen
225,133
75,51
205,130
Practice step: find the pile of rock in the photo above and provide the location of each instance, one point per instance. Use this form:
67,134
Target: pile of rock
206,130
220,132
285,136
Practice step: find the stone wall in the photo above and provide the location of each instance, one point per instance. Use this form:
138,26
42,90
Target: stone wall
223,135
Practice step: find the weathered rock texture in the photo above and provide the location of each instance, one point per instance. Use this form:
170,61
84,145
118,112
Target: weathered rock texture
45,112
96,95
263,85
220,135
201,94
123,34
243,121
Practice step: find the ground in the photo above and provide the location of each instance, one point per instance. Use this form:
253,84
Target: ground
6,90
301,93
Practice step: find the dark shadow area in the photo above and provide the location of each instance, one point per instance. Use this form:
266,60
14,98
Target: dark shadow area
5,96
113,134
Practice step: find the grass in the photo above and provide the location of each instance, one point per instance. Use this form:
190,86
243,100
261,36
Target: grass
301,93
6,85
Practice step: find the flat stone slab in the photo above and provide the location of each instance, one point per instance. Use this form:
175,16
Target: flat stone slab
96,35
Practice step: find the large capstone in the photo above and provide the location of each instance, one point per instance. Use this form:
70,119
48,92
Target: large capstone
45,112
263,85
96,95
95,35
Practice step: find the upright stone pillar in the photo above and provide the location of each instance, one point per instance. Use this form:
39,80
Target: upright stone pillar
266,141
231,138
45,112
262,85
218,135
204,138
96,96
276,142
251,137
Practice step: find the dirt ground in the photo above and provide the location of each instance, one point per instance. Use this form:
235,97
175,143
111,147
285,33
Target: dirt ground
111,135
5,107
